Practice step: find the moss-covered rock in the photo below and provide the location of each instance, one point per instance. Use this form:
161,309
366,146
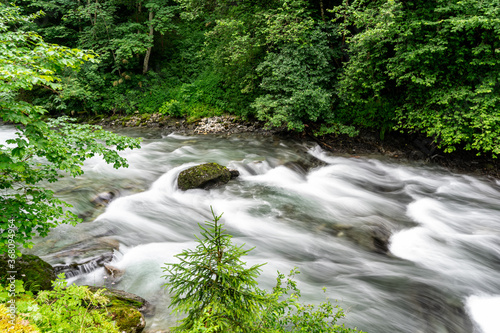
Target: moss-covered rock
205,176
127,309
128,319
34,272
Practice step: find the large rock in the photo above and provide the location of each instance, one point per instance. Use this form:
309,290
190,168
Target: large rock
205,176
34,272
127,309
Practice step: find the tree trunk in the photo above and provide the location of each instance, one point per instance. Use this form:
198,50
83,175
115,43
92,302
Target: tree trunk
95,13
148,52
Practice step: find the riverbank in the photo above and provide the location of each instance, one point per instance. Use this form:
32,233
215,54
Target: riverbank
395,145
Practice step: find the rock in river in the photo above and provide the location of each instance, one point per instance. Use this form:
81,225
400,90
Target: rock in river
36,273
373,237
205,176
127,309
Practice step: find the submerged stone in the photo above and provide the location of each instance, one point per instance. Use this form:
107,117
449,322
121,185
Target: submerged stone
104,198
205,176
373,237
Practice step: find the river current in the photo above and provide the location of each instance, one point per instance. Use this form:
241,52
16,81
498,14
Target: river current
299,206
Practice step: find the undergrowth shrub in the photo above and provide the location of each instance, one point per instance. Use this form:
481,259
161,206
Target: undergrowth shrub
21,324
64,309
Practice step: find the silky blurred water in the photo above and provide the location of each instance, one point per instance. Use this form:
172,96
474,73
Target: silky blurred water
441,274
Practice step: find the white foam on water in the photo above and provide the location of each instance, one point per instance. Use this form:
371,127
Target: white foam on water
6,133
444,225
485,311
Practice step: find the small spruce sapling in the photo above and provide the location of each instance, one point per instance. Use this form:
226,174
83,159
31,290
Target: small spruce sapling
212,285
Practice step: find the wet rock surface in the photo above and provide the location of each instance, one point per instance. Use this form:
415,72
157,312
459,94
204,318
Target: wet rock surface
33,271
104,198
214,125
85,266
373,237
205,176
409,147
127,309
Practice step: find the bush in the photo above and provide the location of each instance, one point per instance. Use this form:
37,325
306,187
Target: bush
63,309
285,313
21,325
171,108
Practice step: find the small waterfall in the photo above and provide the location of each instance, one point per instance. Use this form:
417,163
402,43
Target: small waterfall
88,266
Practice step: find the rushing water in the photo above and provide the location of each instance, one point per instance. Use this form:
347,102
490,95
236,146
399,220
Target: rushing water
441,273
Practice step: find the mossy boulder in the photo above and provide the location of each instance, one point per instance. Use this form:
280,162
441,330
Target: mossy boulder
127,309
34,272
205,176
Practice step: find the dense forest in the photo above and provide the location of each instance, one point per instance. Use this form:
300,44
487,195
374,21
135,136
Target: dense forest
429,67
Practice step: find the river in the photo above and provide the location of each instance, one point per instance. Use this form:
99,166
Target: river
326,214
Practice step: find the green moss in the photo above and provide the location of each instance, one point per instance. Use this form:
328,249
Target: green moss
120,302
124,309
203,176
36,273
128,319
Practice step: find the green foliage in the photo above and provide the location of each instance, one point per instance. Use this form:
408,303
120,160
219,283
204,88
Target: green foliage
423,66
64,309
297,70
204,97
21,325
18,289
286,314
29,206
212,286
429,66
42,149
125,34
296,80
171,108
336,128
72,309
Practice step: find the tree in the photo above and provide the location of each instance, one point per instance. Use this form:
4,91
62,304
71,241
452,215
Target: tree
44,149
128,36
212,286
297,70
425,66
